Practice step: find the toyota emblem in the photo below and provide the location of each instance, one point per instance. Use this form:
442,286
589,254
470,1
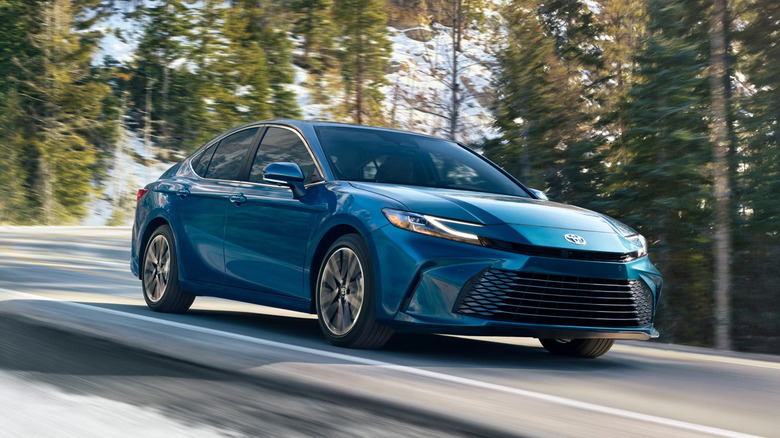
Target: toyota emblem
575,239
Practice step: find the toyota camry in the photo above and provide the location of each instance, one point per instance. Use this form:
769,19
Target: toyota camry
377,230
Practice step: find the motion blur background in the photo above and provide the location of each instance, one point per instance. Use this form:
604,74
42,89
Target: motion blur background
662,113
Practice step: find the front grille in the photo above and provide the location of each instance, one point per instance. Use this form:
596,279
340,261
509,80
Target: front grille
557,300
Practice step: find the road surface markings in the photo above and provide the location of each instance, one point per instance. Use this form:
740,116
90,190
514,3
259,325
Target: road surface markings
696,357
554,399
5,249
650,351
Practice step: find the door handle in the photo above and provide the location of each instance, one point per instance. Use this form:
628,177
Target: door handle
183,193
238,199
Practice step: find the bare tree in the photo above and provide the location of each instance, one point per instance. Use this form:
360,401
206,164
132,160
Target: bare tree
456,17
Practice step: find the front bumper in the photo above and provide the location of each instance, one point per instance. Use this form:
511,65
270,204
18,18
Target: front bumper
422,281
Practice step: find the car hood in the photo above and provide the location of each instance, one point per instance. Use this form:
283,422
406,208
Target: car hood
492,209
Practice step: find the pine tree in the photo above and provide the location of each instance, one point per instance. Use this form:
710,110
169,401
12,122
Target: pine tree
266,28
532,93
205,48
12,205
624,27
59,106
543,101
662,185
159,88
760,62
13,42
365,51
239,90
757,177
14,46
316,29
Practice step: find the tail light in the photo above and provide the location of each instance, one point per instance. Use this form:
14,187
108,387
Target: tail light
141,193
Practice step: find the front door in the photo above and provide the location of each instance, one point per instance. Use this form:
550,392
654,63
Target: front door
267,234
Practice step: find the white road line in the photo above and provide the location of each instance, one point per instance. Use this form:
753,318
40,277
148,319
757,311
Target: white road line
652,352
411,370
696,357
64,227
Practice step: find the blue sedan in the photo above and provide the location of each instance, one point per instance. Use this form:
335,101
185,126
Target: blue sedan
377,231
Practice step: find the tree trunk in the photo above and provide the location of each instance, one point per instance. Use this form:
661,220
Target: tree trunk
166,83
359,90
308,35
46,174
395,103
722,192
46,178
457,31
359,73
525,168
148,118
121,137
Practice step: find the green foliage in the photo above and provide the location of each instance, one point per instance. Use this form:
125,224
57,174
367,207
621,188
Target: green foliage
661,181
12,170
543,106
613,112
266,26
157,79
316,29
209,68
760,62
54,108
14,43
233,81
757,174
365,50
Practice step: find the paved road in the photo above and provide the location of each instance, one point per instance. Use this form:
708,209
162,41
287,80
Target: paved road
80,355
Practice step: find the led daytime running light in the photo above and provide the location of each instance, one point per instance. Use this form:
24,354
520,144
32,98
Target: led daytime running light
639,239
431,225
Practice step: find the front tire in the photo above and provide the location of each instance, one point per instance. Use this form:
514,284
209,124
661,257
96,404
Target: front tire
346,298
589,348
160,274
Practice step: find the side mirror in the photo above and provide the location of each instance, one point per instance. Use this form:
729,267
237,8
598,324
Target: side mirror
286,174
539,194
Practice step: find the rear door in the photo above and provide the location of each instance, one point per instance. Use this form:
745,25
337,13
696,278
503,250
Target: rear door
267,235
200,209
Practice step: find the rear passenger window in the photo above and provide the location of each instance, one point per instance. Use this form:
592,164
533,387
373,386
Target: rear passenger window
201,163
283,145
228,160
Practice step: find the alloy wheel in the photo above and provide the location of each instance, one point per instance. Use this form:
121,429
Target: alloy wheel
341,291
157,267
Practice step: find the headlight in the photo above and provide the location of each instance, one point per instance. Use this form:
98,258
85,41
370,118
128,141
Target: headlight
431,225
632,236
641,241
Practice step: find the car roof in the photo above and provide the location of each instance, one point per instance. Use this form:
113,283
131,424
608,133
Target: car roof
316,123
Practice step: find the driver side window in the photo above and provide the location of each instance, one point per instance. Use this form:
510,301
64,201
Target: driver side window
283,145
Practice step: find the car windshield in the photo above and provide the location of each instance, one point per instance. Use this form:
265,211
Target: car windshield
375,155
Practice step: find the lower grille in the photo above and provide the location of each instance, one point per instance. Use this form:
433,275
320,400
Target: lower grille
557,300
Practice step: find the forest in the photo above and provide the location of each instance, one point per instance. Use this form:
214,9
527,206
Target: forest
662,113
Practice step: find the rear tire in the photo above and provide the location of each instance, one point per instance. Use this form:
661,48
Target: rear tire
160,274
346,298
589,348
